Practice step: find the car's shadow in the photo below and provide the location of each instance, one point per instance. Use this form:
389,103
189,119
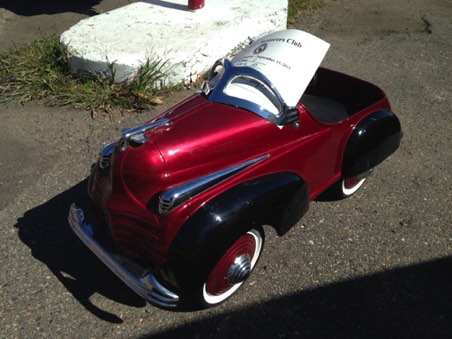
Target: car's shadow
46,231
30,8
410,302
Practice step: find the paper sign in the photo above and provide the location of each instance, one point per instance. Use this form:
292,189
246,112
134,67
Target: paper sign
289,59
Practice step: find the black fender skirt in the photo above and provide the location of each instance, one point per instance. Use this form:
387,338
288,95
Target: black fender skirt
375,138
278,199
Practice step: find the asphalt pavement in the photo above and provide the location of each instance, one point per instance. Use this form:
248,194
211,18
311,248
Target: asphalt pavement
376,265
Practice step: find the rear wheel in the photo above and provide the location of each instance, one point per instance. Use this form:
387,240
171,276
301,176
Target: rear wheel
344,187
350,185
233,268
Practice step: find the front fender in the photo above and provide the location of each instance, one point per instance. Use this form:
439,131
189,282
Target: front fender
374,138
279,200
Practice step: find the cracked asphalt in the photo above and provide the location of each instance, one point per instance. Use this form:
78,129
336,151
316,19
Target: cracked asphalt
376,265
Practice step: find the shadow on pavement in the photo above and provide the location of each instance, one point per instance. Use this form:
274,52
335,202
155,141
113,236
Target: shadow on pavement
46,231
29,8
411,302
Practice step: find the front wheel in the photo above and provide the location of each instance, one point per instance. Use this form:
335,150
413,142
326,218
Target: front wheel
233,268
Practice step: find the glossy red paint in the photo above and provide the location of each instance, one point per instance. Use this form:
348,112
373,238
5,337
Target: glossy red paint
204,137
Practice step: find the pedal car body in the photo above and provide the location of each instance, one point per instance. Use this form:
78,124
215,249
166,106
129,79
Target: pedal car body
183,198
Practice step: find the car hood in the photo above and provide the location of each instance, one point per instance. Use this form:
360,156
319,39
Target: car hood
205,137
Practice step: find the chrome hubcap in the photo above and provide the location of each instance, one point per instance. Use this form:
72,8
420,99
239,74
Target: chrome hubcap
239,271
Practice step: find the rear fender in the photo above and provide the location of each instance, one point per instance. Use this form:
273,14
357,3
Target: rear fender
374,138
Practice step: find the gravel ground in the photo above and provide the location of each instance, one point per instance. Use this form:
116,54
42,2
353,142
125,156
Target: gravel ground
376,265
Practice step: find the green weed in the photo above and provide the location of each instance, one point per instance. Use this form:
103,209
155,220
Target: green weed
39,71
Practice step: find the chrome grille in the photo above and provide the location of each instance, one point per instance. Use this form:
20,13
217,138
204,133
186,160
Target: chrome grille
136,235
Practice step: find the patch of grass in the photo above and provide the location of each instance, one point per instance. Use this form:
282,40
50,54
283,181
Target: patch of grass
296,6
39,71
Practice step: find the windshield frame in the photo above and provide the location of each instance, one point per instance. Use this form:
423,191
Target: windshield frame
215,90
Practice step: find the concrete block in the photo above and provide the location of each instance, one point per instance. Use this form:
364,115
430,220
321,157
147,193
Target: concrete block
190,41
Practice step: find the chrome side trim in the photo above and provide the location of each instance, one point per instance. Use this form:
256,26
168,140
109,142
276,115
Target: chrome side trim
147,287
179,194
137,134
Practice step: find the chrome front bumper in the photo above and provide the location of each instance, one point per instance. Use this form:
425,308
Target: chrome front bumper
147,287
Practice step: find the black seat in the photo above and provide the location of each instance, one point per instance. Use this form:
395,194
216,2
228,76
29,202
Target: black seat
324,109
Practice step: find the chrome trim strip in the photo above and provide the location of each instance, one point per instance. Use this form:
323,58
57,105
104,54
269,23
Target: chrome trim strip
136,134
179,194
147,287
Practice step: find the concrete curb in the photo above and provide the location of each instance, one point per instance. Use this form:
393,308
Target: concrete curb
190,41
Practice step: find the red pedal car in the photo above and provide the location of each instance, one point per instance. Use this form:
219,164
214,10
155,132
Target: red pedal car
183,198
